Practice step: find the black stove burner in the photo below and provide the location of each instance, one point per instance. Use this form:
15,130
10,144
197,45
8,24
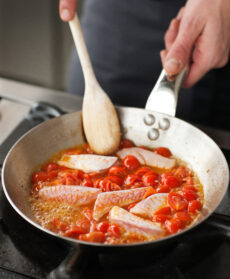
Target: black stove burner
26,252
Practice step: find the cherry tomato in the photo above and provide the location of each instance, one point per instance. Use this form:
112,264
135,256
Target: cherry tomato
131,179
69,178
183,216
74,231
194,205
149,192
126,143
160,218
59,226
163,189
114,230
87,182
105,185
174,225
103,226
176,201
168,179
164,210
130,162
143,170
118,171
150,179
51,167
115,179
93,237
39,176
189,195
163,151
182,172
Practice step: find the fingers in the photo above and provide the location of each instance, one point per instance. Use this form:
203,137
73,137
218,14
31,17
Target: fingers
67,9
171,33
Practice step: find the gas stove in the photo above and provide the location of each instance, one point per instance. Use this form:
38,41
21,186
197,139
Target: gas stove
25,252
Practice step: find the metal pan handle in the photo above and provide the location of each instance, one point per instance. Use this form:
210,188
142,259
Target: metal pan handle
163,97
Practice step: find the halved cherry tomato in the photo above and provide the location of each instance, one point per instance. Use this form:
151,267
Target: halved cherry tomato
131,179
69,178
163,189
126,143
191,188
194,205
106,185
39,176
103,226
170,180
74,231
114,230
143,170
93,237
163,151
115,179
150,179
87,182
183,216
182,172
149,192
164,210
161,218
118,171
176,201
130,162
174,225
189,195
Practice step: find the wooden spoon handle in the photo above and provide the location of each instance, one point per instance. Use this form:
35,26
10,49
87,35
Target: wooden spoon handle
89,76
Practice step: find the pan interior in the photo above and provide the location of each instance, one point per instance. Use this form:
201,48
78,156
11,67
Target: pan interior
185,141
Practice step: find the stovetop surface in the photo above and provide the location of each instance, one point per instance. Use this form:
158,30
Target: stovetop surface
25,252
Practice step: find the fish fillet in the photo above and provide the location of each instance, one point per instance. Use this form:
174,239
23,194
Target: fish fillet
147,157
132,223
87,162
105,201
78,195
148,206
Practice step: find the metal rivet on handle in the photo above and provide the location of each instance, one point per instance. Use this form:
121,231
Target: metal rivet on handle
149,119
164,124
153,134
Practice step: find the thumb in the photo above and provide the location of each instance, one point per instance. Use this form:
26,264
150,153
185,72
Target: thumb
180,52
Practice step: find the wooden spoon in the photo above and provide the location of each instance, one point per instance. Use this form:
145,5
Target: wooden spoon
100,120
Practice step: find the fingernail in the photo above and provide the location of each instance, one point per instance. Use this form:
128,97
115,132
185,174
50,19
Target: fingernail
172,66
65,14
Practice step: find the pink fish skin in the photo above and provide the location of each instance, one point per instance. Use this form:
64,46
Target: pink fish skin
148,206
147,157
132,223
105,201
78,195
87,162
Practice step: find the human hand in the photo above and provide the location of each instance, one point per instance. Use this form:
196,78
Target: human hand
198,37
67,9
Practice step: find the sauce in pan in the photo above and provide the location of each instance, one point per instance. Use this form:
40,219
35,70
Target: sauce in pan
138,194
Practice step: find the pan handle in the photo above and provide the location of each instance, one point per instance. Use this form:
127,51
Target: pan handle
220,222
163,97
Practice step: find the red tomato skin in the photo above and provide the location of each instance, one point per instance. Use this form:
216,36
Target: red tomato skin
131,179
182,172
114,230
168,179
87,182
117,171
189,195
194,205
191,188
74,231
103,226
163,189
177,202
130,162
160,218
163,151
51,167
150,179
183,216
39,176
164,210
98,237
125,143
143,170
115,179
174,225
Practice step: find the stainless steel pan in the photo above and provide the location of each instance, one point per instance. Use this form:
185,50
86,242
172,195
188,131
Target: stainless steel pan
144,127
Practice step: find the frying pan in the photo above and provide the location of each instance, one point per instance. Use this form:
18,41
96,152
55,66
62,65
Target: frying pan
147,127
